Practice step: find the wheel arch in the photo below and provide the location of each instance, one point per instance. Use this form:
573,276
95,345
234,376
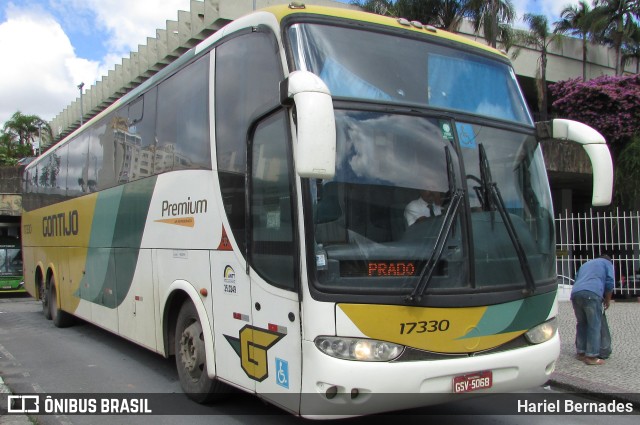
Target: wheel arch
40,282
52,273
178,293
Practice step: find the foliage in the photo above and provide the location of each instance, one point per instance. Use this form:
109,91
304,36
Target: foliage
614,23
10,151
539,36
26,128
18,136
494,17
577,20
609,104
446,14
628,175
379,7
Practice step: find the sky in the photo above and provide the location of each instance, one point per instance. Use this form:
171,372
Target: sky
48,47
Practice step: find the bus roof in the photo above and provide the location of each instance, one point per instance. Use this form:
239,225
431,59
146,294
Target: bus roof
282,12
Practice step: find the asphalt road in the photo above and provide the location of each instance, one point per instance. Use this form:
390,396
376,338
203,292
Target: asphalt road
36,357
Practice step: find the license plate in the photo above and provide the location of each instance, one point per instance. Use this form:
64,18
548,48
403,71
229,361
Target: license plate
473,381
6,287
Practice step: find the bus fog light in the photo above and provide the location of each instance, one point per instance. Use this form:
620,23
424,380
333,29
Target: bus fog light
543,332
368,350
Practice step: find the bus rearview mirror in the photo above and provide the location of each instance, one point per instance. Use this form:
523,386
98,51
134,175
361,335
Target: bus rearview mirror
596,147
315,151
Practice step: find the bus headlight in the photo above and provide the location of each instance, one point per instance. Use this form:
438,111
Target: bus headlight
367,350
543,332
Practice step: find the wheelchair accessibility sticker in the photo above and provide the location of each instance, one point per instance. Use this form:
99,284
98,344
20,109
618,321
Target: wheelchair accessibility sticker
282,373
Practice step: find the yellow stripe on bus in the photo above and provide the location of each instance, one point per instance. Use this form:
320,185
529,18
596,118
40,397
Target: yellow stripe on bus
441,330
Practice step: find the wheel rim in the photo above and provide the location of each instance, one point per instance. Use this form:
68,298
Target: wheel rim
192,353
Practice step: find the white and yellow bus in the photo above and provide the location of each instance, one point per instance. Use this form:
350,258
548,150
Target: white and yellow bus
244,211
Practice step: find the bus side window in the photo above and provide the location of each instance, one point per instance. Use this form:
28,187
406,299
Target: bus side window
78,167
247,80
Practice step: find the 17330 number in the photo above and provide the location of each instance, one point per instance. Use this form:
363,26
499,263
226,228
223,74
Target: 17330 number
424,326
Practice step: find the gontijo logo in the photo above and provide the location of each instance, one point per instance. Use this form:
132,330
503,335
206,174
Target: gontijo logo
60,224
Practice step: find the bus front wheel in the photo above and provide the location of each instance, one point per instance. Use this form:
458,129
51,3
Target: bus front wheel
191,358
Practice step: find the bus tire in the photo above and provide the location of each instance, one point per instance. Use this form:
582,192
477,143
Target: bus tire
61,319
43,293
191,358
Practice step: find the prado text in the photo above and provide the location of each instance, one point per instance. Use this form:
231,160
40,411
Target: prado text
573,407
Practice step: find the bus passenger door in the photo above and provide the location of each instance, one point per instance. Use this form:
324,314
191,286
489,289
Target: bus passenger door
274,265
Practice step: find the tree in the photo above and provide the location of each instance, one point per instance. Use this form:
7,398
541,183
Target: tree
577,20
615,22
627,179
631,50
540,37
611,105
19,134
26,128
445,14
10,151
379,7
494,17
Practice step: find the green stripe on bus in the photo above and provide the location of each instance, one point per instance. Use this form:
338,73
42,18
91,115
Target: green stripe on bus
116,234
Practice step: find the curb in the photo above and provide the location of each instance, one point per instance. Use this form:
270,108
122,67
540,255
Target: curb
10,419
634,399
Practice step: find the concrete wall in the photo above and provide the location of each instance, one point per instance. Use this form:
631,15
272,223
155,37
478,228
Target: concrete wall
10,191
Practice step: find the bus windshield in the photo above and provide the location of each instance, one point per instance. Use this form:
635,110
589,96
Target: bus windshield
384,221
10,261
374,66
418,200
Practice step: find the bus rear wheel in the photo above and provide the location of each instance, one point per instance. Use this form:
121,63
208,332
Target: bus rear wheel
44,298
61,319
191,358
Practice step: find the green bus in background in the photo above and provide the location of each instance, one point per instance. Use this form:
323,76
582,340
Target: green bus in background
11,279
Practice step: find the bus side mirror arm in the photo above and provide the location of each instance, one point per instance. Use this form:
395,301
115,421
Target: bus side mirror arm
596,147
315,150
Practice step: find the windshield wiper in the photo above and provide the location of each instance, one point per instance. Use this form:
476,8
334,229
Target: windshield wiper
430,266
490,189
445,230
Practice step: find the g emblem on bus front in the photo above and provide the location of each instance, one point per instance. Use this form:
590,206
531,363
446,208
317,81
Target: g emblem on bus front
252,348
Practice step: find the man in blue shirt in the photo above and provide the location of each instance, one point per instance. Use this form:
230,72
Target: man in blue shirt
590,296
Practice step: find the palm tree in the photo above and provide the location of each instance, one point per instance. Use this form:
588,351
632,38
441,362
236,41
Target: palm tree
577,20
379,7
25,128
631,49
539,36
446,14
11,151
451,13
615,22
494,16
